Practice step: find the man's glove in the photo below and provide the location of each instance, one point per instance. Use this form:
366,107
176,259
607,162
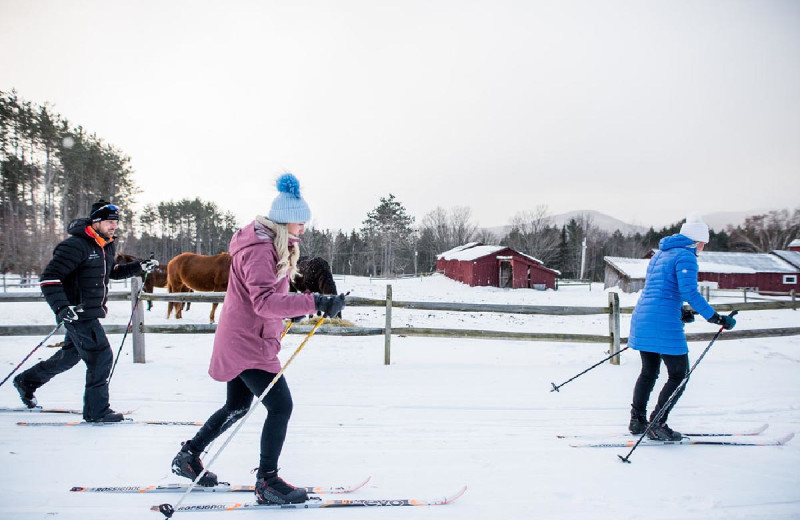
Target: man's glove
687,316
149,265
297,319
67,314
727,322
330,306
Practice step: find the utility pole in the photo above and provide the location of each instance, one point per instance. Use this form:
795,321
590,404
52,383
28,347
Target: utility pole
583,257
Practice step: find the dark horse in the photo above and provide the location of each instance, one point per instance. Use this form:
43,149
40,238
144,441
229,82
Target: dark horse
315,276
192,272
158,278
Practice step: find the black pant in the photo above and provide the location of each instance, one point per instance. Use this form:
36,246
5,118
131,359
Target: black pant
241,391
677,368
87,341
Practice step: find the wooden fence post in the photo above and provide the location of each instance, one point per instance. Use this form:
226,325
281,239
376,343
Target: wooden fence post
387,349
613,325
137,323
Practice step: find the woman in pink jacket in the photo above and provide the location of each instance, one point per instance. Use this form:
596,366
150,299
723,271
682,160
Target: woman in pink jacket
263,258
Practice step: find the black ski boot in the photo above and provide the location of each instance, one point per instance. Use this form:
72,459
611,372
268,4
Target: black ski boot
271,489
661,432
187,464
638,423
25,392
109,417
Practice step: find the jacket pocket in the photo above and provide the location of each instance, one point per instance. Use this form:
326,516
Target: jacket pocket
270,346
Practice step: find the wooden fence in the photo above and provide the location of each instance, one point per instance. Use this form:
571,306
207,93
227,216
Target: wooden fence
614,311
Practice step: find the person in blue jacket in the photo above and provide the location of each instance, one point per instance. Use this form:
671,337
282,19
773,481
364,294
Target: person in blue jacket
657,323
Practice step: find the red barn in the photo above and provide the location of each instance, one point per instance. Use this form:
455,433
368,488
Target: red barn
764,271
496,266
776,271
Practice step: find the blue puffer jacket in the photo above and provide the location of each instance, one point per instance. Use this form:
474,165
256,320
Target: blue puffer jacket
671,280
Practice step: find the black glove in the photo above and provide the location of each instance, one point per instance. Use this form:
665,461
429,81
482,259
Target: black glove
727,322
330,306
67,314
687,315
297,319
149,265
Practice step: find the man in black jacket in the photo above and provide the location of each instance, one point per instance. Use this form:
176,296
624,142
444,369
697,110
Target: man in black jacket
75,284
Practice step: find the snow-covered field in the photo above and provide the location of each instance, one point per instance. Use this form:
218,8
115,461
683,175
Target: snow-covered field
445,414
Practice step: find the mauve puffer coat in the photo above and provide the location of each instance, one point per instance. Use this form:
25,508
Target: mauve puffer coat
250,326
671,280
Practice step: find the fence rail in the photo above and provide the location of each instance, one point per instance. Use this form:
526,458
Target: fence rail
613,310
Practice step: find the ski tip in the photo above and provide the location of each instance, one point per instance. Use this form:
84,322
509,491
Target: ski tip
761,428
784,440
452,498
455,497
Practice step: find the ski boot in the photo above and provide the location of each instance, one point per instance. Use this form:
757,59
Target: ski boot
110,416
638,423
271,489
25,392
660,431
187,464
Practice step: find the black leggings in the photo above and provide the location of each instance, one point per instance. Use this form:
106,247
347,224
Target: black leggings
677,368
241,391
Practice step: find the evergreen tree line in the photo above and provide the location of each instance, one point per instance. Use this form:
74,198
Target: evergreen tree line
51,171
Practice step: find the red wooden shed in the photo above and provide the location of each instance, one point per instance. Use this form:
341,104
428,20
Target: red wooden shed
497,266
774,271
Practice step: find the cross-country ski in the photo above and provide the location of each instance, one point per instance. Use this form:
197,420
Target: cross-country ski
124,422
739,433
222,487
684,442
311,503
39,409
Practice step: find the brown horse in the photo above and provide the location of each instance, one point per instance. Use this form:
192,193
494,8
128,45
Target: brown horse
189,271
158,278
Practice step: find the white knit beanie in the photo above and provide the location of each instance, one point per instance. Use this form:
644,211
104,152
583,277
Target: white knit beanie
289,205
695,228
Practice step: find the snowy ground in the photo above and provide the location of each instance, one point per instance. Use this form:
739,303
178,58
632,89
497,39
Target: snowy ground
446,413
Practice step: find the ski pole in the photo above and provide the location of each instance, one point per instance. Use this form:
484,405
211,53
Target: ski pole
168,509
676,393
60,323
556,388
130,322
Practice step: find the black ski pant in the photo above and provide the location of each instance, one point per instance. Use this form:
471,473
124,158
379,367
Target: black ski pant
87,341
677,368
241,390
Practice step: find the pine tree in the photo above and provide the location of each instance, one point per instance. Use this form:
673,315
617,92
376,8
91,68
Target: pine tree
388,230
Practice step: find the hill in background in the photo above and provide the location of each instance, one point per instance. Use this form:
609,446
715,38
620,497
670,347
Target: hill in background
717,221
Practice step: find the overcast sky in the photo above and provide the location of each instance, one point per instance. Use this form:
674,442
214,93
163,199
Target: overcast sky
644,110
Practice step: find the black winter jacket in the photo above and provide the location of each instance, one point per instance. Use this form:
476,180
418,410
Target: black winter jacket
80,270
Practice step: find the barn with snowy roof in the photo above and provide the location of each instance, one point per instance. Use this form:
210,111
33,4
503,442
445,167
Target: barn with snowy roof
476,264
763,271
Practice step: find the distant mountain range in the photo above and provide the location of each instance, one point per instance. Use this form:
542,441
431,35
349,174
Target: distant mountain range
716,221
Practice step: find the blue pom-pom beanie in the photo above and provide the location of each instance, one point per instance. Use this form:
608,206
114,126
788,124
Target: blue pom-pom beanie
289,205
